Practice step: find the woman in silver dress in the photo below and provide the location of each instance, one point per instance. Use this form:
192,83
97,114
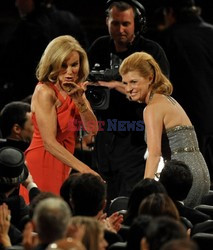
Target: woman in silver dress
169,131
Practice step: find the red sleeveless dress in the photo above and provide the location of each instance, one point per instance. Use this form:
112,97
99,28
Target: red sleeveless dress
47,171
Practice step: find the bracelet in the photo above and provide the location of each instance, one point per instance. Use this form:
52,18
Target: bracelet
82,108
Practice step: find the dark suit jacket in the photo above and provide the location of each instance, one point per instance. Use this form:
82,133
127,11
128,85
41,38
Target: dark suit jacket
191,214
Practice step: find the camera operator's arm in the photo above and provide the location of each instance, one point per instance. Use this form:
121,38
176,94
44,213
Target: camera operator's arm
119,86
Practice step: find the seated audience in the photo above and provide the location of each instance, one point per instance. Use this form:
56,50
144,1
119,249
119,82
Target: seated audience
177,180
137,231
66,189
141,190
51,221
158,205
87,197
92,232
16,125
160,231
13,172
39,197
180,244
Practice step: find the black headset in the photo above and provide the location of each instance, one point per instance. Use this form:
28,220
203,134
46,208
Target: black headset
140,15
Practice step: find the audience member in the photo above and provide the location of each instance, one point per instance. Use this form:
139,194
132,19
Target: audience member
66,188
30,237
180,244
160,231
93,232
140,191
169,131
137,231
39,197
177,179
87,197
187,40
51,220
40,22
13,172
119,151
16,125
59,99
158,205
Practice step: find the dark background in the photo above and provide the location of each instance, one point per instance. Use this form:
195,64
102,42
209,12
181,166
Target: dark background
90,12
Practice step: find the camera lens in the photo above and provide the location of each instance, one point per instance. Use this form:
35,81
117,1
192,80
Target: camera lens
98,97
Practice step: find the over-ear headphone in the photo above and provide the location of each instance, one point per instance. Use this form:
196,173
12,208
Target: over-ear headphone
140,15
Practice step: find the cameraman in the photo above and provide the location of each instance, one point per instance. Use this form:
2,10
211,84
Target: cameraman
120,154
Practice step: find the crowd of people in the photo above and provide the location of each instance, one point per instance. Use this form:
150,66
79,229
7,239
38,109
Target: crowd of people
148,145
76,216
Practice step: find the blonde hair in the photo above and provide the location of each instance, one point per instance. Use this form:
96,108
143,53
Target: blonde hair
93,229
55,54
146,65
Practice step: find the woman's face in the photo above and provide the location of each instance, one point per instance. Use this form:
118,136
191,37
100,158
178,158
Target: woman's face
70,69
136,86
102,243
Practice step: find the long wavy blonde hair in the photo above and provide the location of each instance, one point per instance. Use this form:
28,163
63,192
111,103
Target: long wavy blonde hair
55,54
146,65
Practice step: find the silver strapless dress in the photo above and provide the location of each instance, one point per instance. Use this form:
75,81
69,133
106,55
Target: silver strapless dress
180,143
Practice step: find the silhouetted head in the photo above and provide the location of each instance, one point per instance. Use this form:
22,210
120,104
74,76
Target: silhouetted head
177,178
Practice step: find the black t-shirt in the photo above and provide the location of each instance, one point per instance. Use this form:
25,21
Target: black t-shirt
101,52
123,147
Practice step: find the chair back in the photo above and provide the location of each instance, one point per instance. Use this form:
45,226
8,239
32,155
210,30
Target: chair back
119,204
186,222
206,209
118,246
203,240
124,232
203,227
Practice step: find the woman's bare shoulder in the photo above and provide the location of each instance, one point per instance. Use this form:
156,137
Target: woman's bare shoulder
155,110
43,93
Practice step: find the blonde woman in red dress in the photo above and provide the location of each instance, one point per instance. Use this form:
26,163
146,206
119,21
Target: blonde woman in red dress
58,104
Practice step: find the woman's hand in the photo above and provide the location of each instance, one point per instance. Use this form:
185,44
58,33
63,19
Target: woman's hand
4,225
113,222
30,239
74,90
